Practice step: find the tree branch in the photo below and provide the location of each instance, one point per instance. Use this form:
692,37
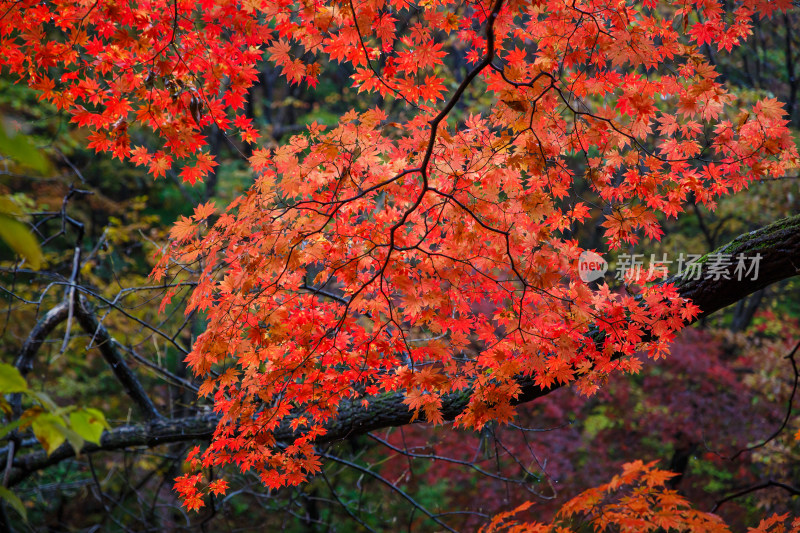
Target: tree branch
778,244
149,435
107,345
109,349
39,334
36,338
779,247
770,483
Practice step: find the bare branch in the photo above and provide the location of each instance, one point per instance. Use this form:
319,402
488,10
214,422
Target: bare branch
109,347
39,334
778,244
770,483
148,435
789,405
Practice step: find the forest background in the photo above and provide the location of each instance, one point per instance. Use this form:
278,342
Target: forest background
718,410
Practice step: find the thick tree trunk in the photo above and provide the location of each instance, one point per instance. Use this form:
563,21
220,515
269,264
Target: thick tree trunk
778,245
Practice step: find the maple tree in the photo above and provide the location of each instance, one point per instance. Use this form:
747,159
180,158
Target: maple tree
691,410
648,506
422,262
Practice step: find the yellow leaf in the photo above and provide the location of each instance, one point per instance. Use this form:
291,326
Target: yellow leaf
11,380
17,236
21,148
88,423
14,501
47,428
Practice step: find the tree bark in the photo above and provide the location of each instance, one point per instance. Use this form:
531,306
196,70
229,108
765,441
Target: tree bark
778,245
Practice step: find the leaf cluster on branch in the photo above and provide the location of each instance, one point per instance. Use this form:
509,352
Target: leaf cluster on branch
419,264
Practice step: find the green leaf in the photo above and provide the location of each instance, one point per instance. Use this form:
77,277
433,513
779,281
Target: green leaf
45,400
21,240
21,149
14,501
11,380
88,423
595,423
75,440
47,428
5,406
8,207
8,428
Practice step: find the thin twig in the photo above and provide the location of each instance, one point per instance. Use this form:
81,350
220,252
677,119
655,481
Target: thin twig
770,483
778,431
391,485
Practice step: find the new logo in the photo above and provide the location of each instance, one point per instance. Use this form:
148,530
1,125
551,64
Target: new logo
591,266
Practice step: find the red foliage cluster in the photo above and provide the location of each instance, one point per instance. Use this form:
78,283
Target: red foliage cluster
354,266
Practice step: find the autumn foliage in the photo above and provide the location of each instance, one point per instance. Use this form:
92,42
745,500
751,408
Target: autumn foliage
635,500
428,251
